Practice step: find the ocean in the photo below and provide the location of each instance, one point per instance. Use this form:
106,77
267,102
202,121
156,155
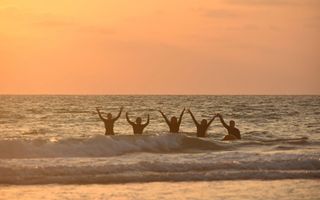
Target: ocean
54,147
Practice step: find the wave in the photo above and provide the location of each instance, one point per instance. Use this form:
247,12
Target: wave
101,146
147,169
95,160
279,141
163,177
105,146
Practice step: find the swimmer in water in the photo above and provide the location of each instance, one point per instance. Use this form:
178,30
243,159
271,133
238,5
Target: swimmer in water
233,132
201,127
174,124
109,121
137,127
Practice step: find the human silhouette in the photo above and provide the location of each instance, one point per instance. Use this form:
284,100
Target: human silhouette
174,124
137,127
203,126
233,132
109,122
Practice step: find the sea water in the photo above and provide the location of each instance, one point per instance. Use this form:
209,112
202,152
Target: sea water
60,140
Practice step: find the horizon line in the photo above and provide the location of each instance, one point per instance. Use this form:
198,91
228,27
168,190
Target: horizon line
146,94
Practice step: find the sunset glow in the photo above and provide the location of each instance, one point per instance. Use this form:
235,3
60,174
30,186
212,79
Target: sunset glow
160,47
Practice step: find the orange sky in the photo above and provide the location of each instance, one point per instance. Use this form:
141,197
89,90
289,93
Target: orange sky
160,47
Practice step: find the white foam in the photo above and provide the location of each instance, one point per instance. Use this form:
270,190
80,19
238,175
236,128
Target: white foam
101,146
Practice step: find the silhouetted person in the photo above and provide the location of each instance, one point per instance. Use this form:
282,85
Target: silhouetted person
137,127
174,124
233,132
109,122
203,126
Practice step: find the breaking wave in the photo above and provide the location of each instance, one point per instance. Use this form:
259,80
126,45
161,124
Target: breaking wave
102,146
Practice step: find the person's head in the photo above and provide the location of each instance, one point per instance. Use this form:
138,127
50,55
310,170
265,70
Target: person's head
138,120
204,122
174,120
232,123
109,116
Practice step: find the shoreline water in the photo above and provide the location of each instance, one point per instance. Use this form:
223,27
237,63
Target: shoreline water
248,190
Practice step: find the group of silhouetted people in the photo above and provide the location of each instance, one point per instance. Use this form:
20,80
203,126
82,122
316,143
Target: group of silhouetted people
173,124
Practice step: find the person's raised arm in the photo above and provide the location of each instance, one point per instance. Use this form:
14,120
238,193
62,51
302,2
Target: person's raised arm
211,121
117,117
180,118
128,120
165,117
100,114
222,121
193,118
148,120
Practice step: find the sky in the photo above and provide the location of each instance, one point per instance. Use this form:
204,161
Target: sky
160,47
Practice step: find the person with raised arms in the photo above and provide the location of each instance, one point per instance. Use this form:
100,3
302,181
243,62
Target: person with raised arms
109,121
203,126
174,124
233,132
137,126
